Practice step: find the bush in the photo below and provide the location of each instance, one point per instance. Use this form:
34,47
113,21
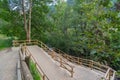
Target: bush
34,71
5,43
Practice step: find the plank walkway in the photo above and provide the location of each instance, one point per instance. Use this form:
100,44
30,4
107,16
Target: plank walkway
8,61
54,72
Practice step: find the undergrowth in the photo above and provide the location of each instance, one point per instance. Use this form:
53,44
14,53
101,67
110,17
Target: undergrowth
34,71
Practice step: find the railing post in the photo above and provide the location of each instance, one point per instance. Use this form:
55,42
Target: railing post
109,75
27,60
53,54
78,60
60,62
67,57
72,72
113,75
40,44
91,64
24,52
43,77
58,51
36,42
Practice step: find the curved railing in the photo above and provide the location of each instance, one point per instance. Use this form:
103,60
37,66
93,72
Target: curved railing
109,72
26,52
58,58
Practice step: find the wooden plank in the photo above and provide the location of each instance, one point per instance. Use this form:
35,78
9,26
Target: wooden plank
107,74
19,76
26,72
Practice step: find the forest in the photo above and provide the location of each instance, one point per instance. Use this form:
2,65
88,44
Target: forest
83,28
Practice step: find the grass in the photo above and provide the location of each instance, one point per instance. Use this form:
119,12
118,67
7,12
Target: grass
34,71
5,43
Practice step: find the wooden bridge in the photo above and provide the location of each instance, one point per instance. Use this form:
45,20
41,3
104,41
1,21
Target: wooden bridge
54,64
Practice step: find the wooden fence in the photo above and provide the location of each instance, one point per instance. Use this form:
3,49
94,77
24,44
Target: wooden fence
58,58
26,52
109,72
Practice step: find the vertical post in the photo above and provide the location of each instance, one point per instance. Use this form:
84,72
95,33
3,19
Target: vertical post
27,60
43,77
41,44
60,62
109,75
53,54
78,60
72,72
67,57
58,51
92,64
23,52
37,43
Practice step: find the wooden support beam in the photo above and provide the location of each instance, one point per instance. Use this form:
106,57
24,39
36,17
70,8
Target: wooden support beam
26,72
19,76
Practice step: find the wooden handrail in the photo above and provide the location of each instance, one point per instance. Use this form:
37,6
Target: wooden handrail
89,63
41,72
107,75
27,42
86,62
64,64
60,60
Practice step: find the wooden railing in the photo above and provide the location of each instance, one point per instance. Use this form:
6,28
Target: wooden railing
109,72
27,42
26,52
56,57
63,63
25,72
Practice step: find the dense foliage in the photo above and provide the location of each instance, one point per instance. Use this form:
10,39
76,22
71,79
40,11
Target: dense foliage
87,29
83,28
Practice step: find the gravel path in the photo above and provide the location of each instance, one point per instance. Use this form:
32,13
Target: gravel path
8,61
54,72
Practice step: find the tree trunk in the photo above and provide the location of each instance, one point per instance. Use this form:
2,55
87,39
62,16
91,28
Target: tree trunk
29,24
24,14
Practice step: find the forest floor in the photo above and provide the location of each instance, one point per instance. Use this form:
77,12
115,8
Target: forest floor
8,61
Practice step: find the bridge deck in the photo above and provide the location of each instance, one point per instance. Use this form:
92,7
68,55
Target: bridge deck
8,61
55,72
